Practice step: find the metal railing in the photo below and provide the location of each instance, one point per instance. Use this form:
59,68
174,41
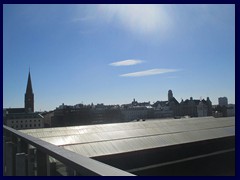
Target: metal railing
29,156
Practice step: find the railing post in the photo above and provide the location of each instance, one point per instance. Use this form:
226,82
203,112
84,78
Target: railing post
21,164
38,162
48,165
52,169
14,139
22,146
42,163
4,156
70,171
10,159
31,162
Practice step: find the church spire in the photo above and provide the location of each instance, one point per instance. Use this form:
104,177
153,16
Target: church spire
29,84
29,96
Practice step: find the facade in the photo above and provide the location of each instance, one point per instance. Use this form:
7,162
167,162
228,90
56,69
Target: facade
223,109
202,109
136,110
174,106
135,113
162,110
48,118
209,107
223,101
231,110
25,121
170,108
191,107
8,111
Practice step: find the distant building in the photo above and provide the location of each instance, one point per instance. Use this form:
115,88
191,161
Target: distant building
170,95
80,114
202,109
135,113
136,110
169,108
223,101
162,110
173,104
190,107
220,111
209,107
48,118
24,118
223,109
231,110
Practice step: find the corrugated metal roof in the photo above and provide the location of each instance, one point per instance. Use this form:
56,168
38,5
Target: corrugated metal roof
140,143
105,139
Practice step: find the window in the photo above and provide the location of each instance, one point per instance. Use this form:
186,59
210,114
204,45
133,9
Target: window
30,125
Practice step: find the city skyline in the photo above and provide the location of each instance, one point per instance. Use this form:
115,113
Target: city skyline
113,53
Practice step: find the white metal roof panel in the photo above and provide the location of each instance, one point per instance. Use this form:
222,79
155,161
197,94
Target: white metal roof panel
104,139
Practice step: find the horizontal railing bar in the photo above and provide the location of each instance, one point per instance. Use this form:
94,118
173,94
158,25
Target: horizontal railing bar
84,165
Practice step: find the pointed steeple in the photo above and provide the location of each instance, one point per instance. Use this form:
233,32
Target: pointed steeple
29,96
29,84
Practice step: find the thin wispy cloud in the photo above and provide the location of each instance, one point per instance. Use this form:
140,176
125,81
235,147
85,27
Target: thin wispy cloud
138,18
128,62
149,72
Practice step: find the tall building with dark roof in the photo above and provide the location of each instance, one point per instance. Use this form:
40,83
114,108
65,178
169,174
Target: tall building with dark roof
170,95
29,96
24,118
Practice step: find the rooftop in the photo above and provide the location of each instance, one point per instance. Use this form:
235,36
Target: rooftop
108,139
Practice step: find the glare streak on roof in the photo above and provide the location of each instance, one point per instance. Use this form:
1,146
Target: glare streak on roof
105,139
76,130
135,144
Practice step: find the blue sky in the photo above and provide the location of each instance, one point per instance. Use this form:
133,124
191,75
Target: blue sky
113,53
